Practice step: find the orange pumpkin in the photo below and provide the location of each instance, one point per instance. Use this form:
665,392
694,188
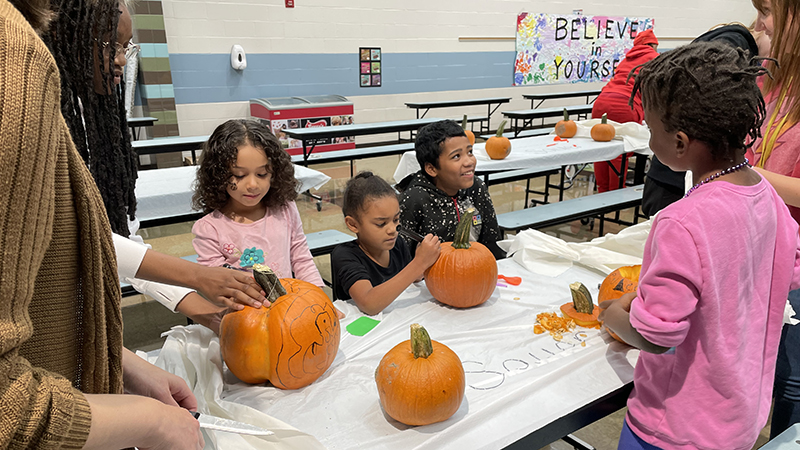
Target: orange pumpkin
291,343
466,272
616,284
469,133
420,381
603,131
566,128
498,147
581,309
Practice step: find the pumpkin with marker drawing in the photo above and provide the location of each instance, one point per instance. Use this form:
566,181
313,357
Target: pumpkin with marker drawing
290,343
618,283
566,128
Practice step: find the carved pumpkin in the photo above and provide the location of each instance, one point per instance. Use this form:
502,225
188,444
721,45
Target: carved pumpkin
566,128
498,147
469,133
291,343
466,272
420,381
582,310
603,131
616,284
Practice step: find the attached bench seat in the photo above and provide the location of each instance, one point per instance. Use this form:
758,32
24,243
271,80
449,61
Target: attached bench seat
320,243
508,176
576,208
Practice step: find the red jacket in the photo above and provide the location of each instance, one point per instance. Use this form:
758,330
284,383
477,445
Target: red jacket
639,54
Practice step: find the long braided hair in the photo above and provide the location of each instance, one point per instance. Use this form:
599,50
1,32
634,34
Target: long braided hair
97,121
707,90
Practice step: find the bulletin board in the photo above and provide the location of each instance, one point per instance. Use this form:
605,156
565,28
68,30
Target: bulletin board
556,49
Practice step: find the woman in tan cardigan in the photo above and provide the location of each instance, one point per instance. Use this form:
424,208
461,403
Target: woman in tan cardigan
57,263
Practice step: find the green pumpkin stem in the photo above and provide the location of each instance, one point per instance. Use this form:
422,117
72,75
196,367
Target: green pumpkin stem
604,119
461,239
420,341
566,115
581,298
268,281
464,123
501,128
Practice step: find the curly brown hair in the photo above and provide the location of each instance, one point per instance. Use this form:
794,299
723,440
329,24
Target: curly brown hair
219,154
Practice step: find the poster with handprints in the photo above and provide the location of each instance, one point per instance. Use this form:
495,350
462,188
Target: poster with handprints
556,48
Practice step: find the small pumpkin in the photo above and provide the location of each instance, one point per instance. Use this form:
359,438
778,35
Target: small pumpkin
581,309
603,131
619,282
566,128
498,146
420,381
469,133
291,343
465,274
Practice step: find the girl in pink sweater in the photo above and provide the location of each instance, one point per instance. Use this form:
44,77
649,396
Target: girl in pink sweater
246,186
718,264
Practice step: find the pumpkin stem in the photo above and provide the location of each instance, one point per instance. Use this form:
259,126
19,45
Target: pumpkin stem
464,123
566,115
420,341
581,298
268,281
461,239
604,119
501,128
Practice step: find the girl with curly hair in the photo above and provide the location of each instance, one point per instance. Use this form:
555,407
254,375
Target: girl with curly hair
246,186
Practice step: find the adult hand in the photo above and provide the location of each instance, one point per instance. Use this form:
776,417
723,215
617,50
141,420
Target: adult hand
179,430
230,288
142,378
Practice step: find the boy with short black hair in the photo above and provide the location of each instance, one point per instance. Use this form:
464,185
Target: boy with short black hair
434,198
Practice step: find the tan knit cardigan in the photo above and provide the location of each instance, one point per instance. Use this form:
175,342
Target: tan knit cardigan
60,321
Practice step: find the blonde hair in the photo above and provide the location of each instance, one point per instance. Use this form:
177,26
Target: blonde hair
785,47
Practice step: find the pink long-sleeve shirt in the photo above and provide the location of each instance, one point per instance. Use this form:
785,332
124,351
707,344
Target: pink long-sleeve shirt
276,240
716,273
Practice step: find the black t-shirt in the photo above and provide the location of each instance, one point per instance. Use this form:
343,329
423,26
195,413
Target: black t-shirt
349,264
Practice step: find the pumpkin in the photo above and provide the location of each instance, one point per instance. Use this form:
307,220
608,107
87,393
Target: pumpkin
566,128
603,131
465,274
291,343
469,133
616,284
582,310
420,381
498,146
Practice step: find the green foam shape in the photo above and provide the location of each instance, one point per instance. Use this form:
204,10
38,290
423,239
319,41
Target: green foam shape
362,326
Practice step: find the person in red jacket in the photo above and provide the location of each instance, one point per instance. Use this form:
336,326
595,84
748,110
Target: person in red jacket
613,101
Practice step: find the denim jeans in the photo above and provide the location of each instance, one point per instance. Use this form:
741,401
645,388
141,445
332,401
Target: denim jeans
786,411
628,440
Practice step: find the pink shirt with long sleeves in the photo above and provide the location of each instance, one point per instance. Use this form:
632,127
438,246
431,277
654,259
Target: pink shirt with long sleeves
276,240
717,270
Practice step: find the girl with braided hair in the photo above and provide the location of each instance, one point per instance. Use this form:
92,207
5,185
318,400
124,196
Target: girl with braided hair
717,266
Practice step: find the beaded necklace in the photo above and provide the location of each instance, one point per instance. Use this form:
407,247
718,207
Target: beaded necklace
717,175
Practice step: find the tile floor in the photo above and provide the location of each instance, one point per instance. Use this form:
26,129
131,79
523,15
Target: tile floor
145,319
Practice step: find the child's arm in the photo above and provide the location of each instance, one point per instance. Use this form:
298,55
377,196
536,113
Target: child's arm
616,316
787,187
373,299
302,262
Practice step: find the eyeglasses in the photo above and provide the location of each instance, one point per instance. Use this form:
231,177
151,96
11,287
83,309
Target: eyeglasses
130,49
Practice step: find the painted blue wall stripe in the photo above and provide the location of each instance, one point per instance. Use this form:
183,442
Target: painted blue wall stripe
209,78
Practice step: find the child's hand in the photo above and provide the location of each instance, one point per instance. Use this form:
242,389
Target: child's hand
230,288
428,250
623,302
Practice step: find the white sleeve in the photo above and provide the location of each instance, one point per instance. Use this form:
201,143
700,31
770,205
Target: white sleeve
129,258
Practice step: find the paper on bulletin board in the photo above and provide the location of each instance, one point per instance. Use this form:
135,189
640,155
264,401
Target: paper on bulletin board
555,48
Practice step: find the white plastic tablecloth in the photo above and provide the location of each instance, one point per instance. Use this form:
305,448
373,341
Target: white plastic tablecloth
537,151
168,192
517,382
